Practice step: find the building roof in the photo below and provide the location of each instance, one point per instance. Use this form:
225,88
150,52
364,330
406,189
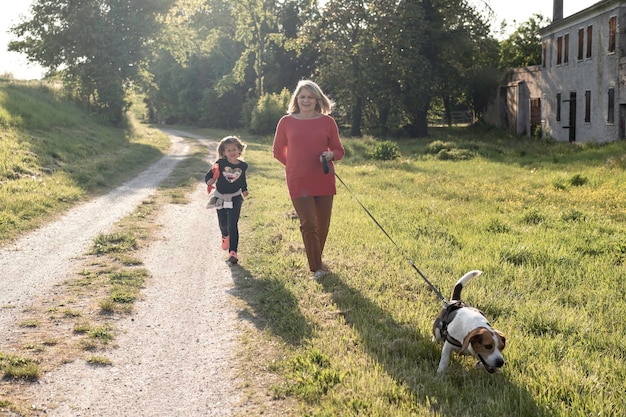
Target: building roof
582,15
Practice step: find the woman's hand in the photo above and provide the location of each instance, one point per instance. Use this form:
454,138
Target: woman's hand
329,155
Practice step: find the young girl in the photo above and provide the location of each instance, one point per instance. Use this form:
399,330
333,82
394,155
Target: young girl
228,174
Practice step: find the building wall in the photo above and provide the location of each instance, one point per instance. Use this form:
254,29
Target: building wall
594,75
510,108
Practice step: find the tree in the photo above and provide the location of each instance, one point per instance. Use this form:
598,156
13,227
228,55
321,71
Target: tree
465,48
97,46
344,33
523,47
256,28
189,79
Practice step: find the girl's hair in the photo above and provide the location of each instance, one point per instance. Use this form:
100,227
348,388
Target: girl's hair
228,140
324,105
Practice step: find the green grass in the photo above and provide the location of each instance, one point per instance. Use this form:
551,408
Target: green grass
546,223
554,259
54,155
97,360
16,367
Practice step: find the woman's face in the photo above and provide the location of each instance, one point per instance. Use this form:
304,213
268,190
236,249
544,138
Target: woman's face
306,100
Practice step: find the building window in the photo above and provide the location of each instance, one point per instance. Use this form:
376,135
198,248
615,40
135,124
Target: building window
558,107
610,117
566,48
589,40
581,43
587,106
559,50
544,53
612,31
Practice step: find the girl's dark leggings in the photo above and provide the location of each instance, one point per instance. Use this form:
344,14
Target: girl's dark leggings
228,220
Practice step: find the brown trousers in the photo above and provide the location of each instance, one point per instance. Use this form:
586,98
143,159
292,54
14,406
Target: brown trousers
314,214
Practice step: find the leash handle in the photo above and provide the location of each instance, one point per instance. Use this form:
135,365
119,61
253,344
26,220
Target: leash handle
325,164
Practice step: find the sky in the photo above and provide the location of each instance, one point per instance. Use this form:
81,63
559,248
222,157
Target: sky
16,64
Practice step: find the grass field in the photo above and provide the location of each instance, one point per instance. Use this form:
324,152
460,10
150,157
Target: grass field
545,222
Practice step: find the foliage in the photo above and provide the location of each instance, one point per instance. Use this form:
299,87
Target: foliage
208,62
384,151
269,109
523,47
98,46
382,62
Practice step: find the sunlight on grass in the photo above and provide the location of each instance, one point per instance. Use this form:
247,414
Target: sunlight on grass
15,367
55,155
553,259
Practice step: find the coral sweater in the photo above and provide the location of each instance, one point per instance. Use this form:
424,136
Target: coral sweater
298,144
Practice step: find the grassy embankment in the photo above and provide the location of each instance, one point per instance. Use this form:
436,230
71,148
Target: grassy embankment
53,156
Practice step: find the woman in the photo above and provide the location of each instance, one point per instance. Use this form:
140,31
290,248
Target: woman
304,137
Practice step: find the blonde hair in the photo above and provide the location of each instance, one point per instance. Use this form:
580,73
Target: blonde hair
227,141
324,105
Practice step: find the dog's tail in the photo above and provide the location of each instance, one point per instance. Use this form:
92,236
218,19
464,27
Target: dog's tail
456,293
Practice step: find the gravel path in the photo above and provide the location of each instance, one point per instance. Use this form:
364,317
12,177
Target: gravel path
174,350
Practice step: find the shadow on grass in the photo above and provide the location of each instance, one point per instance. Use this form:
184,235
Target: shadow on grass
410,357
272,306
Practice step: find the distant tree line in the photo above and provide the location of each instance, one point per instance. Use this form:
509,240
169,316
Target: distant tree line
387,63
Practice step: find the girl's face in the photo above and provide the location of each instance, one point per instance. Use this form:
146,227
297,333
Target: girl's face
231,151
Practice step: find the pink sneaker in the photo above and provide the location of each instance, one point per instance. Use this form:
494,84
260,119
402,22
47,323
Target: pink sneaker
233,257
225,242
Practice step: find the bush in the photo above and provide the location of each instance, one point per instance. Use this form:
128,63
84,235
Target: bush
384,151
578,180
455,155
437,146
268,111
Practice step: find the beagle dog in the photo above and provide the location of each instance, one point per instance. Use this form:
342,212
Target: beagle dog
465,330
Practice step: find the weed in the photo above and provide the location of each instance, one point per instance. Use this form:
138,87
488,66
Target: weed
578,180
70,313
113,242
130,277
497,226
107,306
533,216
123,296
81,327
384,151
99,361
102,333
16,367
32,323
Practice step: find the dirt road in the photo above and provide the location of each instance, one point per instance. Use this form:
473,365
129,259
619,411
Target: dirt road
174,350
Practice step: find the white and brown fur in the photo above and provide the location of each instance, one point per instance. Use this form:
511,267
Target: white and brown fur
468,332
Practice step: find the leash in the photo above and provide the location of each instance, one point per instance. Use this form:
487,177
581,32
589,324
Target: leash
432,287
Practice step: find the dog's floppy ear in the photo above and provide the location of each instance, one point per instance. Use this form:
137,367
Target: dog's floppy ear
470,337
501,336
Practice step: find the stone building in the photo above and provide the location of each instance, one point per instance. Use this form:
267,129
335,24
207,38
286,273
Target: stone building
578,93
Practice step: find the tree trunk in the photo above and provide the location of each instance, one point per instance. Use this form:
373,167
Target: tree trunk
357,114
